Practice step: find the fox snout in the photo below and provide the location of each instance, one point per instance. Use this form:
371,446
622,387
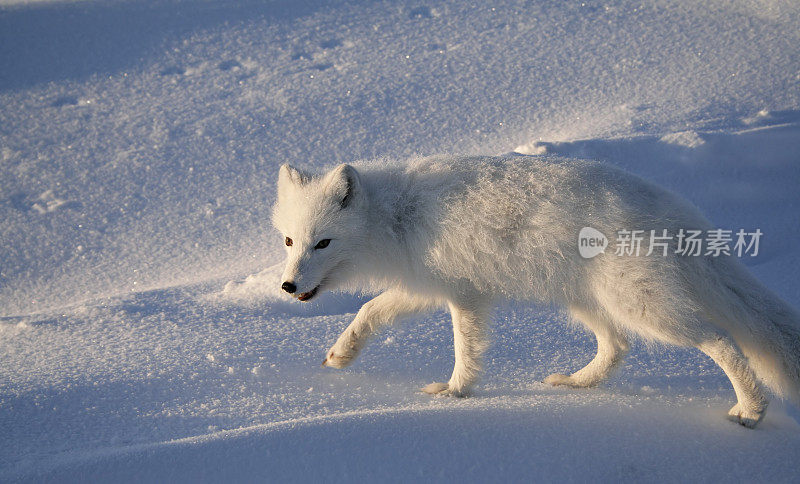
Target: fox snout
291,288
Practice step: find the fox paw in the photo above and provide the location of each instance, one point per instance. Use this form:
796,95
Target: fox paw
336,360
340,357
344,351
442,389
557,379
746,418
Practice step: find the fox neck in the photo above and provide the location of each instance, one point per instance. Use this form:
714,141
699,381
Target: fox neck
385,258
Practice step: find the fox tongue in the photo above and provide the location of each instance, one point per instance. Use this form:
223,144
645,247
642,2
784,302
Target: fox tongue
307,295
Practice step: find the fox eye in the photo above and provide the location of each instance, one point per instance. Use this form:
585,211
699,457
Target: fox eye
322,243
288,242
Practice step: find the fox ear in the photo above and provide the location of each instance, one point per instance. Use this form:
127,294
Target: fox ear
343,184
290,176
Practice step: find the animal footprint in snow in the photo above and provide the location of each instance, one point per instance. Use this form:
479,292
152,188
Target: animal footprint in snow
173,71
230,65
48,202
65,101
301,56
330,44
422,12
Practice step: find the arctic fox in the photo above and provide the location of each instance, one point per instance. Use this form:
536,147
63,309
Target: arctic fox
466,232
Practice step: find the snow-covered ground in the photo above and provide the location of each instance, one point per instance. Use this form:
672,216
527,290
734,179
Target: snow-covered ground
139,147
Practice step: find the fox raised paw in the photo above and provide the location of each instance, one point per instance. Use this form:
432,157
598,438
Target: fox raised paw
343,352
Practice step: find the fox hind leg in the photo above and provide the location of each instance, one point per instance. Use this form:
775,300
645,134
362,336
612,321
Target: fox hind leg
752,403
612,345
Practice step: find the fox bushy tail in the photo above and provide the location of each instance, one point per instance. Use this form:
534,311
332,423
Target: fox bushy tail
765,327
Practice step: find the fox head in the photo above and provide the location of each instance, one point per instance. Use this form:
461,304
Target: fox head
322,222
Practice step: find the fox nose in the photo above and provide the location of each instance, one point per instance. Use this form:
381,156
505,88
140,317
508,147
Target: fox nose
289,287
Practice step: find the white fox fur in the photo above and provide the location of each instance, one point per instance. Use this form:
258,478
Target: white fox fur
468,231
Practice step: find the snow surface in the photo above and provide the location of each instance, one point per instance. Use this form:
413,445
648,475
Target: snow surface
139,146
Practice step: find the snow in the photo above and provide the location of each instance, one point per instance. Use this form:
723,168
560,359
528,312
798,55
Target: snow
143,335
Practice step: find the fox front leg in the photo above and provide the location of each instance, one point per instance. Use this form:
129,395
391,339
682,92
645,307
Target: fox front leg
469,338
377,313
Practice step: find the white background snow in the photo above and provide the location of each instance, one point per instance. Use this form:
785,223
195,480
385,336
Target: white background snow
139,147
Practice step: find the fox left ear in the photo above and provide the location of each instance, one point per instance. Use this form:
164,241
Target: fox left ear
343,184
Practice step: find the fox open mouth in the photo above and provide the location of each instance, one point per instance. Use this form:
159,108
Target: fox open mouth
307,295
